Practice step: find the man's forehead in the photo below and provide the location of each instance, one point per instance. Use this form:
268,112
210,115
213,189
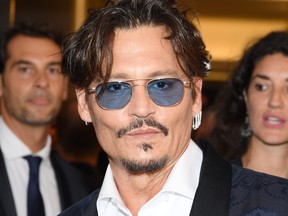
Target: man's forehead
136,56
145,35
37,45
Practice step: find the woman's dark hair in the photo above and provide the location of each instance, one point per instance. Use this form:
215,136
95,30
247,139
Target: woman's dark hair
230,107
87,54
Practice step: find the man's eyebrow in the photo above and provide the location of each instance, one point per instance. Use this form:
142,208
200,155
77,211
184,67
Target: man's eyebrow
25,62
158,73
164,73
21,62
54,63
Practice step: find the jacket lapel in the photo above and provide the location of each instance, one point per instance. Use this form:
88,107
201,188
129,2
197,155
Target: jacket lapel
63,188
91,209
212,197
7,205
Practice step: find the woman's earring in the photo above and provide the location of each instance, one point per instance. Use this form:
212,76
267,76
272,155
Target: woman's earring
246,129
86,123
197,120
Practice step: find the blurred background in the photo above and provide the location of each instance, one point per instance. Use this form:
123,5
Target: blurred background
227,26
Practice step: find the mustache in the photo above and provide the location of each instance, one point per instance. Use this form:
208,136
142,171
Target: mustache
138,123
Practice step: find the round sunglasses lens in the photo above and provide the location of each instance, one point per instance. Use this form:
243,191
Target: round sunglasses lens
166,92
115,95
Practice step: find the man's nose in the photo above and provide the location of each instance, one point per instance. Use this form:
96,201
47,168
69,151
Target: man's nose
141,105
41,79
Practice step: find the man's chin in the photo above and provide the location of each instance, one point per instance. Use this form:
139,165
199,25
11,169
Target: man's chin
39,122
152,166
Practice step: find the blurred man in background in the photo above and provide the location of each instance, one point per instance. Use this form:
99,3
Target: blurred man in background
34,180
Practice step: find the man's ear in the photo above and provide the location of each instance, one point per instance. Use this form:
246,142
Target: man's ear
83,105
197,106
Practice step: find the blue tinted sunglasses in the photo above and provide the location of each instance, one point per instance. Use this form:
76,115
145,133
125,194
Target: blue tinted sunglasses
117,94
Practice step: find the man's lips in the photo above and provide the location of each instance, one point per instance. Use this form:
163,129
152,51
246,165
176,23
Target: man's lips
39,101
143,132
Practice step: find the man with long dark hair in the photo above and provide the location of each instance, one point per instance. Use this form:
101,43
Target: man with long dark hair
138,67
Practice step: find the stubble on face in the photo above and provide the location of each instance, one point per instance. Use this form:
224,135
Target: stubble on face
138,168
138,123
24,97
149,167
27,116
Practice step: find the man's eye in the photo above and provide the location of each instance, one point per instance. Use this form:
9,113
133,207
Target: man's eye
117,86
161,84
24,69
54,70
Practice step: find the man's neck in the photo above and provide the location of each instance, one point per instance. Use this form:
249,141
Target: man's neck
34,137
141,187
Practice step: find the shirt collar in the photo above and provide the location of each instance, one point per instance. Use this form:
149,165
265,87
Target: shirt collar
13,147
183,179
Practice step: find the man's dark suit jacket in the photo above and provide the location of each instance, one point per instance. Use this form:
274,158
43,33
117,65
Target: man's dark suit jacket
223,190
70,185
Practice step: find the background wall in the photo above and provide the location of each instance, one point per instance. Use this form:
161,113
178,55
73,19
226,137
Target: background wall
227,26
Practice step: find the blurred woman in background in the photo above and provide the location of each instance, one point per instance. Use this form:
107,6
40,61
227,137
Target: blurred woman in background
251,114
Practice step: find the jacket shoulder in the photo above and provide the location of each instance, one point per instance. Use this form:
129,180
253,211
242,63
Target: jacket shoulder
71,183
85,207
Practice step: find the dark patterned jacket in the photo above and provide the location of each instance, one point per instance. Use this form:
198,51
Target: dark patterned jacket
223,190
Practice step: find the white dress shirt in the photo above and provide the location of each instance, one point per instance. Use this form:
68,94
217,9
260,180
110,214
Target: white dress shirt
13,150
175,198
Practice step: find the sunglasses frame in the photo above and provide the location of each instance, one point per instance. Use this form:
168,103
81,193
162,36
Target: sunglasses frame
91,90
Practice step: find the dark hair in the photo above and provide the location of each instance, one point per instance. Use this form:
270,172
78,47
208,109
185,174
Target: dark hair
231,110
85,51
38,30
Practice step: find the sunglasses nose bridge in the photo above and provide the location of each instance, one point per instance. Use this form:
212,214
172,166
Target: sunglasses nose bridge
140,103
139,85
